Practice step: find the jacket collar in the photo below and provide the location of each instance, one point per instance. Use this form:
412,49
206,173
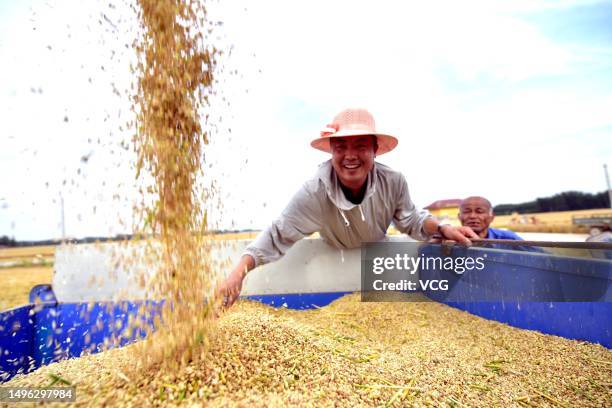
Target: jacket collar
328,177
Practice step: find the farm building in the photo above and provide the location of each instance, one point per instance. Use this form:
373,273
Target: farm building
445,209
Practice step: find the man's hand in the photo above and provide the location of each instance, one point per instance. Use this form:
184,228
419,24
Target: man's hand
462,235
229,290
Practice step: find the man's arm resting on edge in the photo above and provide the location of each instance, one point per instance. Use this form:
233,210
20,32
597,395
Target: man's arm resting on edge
230,288
459,234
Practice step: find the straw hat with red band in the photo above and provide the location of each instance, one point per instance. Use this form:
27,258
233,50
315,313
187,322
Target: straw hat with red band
354,122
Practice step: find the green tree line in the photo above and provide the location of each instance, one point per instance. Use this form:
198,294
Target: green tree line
566,201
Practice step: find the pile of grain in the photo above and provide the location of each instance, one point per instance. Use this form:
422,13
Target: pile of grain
352,353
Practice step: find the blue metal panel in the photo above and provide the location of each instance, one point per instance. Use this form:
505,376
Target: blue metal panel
71,329
32,336
509,288
16,341
521,276
591,321
299,301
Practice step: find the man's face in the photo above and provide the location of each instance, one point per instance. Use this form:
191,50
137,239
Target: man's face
353,158
476,213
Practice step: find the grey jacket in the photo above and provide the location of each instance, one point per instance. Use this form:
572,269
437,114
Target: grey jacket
320,206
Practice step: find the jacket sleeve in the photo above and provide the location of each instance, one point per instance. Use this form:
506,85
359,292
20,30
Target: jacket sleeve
301,218
407,218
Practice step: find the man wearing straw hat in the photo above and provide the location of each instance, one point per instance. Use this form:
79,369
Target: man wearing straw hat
352,199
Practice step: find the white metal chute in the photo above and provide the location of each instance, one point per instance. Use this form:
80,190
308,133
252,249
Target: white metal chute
112,271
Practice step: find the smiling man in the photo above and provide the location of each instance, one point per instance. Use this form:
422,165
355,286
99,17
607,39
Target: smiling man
352,199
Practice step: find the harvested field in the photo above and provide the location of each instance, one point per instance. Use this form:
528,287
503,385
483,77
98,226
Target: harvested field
17,282
354,354
552,222
25,257
27,252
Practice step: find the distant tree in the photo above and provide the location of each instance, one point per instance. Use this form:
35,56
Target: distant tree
566,201
6,241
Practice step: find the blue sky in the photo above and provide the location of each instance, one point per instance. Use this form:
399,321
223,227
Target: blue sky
510,100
